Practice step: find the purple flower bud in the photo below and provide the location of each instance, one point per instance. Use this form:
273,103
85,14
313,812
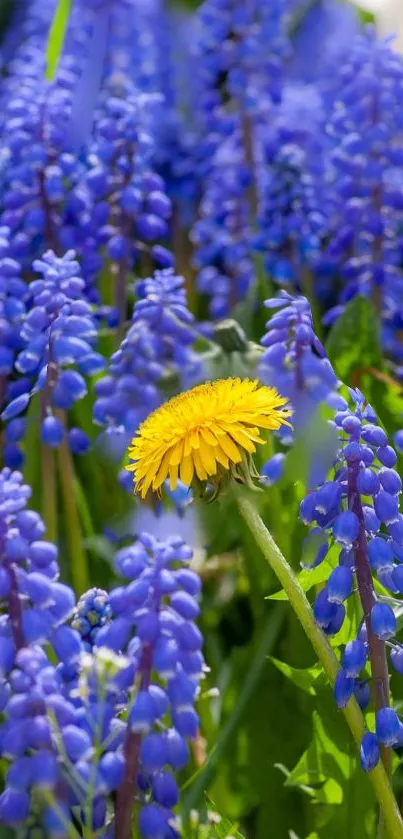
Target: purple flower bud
185,605
76,742
397,577
177,750
346,528
387,456
343,689
186,721
390,481
368,482
386,507
189,580
273,469
42,554
369,751
45,769
354,658
79,442
143,713
327,497
340,584
387,726
383,621
396,657
52,431
336,622
362,693
371,521
67,644
165,789
323,610
111,770
115,634
14,806
154,822
380,554
154,752
374,435
16,407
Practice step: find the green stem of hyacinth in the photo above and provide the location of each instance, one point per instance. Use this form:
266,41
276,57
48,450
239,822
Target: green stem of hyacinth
49,492
79,563
299,602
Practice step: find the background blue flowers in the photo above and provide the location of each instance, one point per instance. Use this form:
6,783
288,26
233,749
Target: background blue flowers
190,194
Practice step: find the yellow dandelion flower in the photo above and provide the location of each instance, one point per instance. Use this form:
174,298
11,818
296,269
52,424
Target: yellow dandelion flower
205,434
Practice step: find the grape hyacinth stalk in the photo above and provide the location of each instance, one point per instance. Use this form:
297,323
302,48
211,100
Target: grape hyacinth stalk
359,512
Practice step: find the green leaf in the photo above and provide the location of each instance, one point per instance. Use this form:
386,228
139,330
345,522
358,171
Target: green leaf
221,827
303,678
57,34
354,340
310,578
329,772
322,760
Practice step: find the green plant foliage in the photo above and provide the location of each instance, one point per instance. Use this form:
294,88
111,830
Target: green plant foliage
354,343
57,35
328,771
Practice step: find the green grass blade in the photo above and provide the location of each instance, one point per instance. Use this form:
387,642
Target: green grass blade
57,34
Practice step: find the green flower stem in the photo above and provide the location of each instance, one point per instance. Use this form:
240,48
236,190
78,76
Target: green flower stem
79,565
49,492
299,602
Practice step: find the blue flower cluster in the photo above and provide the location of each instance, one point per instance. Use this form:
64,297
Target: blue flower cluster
57,334
364,160
358,513
291,219
158,344
92,612
13,297
161,601
33,601
294,360
240,52
63,735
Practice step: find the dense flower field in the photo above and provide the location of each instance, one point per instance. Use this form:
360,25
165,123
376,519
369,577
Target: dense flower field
201,411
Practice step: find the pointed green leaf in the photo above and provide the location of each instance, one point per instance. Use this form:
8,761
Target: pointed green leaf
220,826
57,34
303,678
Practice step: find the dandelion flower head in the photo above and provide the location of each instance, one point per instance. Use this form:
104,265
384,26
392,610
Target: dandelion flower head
205,435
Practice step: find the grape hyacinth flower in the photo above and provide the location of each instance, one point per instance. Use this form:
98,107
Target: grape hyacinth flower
93,611
158,344
358,512
160,602
62,725
295,362
35,601
364,159
128,209
63,735
241,51
13,296
291,218
58,334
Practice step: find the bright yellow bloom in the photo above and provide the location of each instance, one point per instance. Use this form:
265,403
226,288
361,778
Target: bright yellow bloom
202,434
